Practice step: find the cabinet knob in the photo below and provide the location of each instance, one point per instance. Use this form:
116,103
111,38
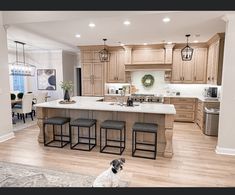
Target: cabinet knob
212,78
209,78
195,78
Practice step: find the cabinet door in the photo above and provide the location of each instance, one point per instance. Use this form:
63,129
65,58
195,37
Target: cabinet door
210,62
214,70
98,79
121,66
176,67
87,79
96,57
86,56
112,68
200,65
187,71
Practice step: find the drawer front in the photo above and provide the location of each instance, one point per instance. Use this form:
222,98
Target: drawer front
182,100
200,106
166,100
184,116
186,107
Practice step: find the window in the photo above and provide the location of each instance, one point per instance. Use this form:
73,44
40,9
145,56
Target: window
18,83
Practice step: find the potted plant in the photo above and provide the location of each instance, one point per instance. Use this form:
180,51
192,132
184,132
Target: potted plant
67,86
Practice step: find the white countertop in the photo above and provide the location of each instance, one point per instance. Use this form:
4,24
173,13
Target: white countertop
204,99
91,103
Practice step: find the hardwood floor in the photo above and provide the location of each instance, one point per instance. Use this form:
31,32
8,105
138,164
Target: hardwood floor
194,163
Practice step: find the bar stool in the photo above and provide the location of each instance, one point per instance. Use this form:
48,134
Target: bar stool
86,123
144,128
113,125
56,121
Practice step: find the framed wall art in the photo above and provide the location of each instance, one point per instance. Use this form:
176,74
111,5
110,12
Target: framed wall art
46,79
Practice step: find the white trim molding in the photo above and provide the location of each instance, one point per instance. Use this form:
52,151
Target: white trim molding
226,151
6,137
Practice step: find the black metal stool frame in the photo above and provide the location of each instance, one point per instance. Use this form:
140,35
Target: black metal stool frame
90,145
54,136
122,148
134,144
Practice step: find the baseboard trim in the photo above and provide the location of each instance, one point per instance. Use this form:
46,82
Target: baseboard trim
6,137
225,151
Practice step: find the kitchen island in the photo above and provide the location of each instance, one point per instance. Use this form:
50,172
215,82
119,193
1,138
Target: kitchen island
95,108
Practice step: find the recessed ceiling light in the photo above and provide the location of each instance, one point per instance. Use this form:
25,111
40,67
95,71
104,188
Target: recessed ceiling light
78,35
92,25
122,44
127,22
145,43
169,42
195,41
166,19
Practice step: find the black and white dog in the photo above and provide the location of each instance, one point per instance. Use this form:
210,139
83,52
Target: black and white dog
110,177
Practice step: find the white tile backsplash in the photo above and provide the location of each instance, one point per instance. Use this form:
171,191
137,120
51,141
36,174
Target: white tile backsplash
163,87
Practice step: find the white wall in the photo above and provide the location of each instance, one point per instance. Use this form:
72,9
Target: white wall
226,137
5,104
64,63
69,64
46,60
161,86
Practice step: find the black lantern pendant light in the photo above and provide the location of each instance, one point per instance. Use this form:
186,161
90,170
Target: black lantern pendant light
104,54
187,52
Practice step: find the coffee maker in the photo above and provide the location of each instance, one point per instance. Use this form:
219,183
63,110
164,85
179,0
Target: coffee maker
212,92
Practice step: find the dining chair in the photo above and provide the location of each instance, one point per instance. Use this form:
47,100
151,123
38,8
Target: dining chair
25,107
20,95
39,98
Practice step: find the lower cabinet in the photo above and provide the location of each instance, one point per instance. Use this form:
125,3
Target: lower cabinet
185,108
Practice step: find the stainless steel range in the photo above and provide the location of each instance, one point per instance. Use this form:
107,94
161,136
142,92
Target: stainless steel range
147,98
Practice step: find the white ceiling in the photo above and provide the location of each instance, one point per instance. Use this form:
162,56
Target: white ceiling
56,30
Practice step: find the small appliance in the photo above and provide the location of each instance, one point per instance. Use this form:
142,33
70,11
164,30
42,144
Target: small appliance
211,92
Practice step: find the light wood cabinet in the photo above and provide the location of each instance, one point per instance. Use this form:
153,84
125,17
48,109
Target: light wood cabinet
215,62
92,79
185,108
200,63
116,67
88,56
182,71
193,71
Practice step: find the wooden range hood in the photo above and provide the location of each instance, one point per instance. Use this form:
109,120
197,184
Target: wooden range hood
135,67
150,57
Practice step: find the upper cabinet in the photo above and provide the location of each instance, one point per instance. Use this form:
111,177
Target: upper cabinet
116,67
193,71
215,59
88,56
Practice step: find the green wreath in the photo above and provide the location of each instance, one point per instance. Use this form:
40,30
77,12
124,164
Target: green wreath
147,80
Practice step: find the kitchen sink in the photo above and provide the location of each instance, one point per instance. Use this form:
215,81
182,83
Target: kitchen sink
125,105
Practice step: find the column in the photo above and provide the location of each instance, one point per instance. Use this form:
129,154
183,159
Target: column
5,104
226,136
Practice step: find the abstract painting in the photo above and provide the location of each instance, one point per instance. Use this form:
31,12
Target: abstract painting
46,79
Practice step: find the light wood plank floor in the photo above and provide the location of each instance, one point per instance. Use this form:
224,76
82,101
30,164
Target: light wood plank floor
195,162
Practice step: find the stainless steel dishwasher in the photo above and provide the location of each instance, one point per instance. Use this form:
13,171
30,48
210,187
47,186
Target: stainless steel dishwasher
211,121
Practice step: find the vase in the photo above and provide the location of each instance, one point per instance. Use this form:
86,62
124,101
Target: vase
66,95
